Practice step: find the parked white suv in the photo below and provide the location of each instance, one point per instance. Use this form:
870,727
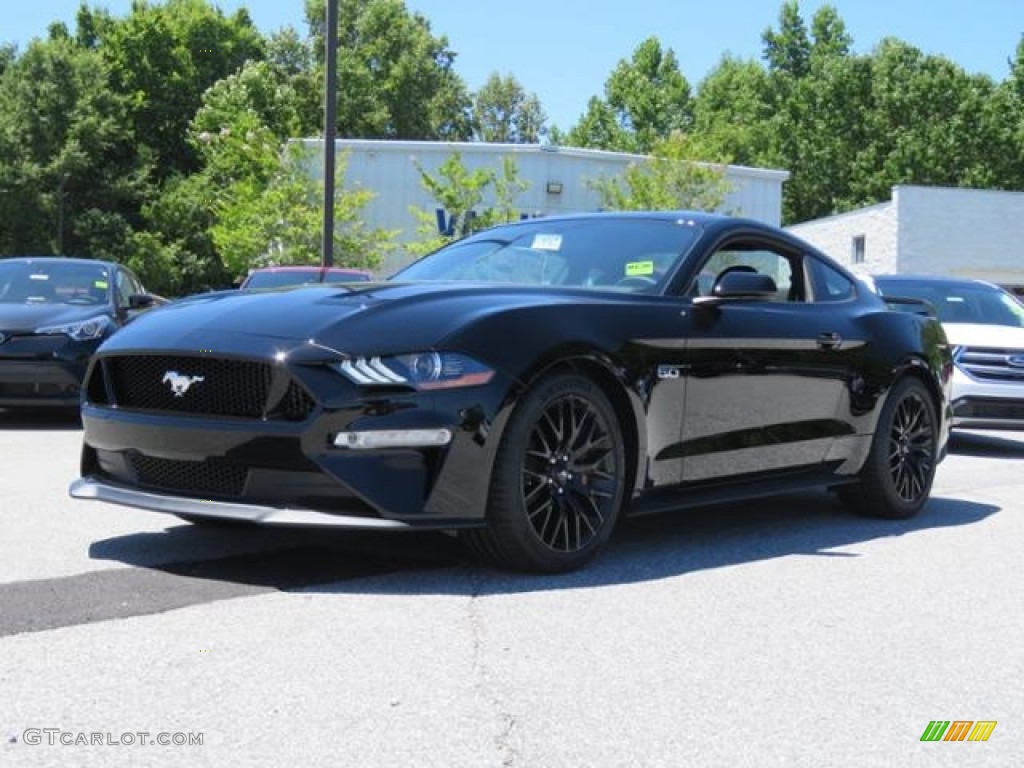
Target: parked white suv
985,326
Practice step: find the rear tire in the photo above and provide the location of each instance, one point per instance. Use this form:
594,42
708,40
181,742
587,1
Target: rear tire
559,480
896,479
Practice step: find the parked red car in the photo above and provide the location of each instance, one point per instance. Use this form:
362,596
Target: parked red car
280,277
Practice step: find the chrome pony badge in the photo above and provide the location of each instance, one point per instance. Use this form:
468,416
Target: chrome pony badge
180,384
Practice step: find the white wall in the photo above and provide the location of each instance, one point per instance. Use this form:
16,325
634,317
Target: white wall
878,225
389,169
973,233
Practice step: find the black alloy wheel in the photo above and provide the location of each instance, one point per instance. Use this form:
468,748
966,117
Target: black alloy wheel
897,477
559,479
912,448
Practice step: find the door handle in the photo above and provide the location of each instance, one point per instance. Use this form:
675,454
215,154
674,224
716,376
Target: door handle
829,340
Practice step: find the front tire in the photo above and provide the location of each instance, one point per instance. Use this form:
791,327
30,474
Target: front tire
559,480
896,479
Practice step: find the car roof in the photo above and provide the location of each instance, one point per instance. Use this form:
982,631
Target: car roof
307,268
55,260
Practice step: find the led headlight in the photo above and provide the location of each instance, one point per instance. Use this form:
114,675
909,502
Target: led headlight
82,330
424,370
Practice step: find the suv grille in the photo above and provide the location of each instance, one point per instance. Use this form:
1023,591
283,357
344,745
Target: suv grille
199,385
993,364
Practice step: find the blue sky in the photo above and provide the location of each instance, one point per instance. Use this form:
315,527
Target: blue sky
564,50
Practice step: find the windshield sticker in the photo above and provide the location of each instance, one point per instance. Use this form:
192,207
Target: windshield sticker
639,268
38,276
546,242
101,284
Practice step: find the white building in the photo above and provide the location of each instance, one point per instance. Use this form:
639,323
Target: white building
557,178
973,233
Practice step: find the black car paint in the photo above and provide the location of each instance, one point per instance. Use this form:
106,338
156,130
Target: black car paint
785,407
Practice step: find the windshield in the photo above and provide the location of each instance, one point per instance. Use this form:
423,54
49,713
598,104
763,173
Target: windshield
960,302
628,254
53,282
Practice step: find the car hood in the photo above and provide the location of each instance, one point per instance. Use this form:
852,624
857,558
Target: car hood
981,335
25,318
369,318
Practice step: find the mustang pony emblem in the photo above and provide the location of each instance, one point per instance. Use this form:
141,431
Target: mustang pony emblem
179,383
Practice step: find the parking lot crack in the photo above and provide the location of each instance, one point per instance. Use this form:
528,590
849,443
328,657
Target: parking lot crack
487,681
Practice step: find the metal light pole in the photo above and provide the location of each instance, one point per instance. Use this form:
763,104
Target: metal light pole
330,130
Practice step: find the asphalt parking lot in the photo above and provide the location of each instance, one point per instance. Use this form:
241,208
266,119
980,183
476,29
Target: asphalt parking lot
782,632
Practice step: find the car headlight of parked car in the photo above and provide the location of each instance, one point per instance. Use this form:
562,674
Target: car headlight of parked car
81,330
423,371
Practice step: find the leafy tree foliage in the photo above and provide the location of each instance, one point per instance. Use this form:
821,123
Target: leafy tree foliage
399,80
463,196
163,57
646,99
504,112
672,178
68,175
849,127
268,203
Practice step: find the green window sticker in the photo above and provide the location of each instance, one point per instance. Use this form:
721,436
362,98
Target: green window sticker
639,268
101,284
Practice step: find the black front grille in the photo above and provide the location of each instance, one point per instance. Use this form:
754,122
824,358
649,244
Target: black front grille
192,477
200,385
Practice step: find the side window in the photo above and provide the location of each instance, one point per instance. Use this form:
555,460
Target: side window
829,284
783,268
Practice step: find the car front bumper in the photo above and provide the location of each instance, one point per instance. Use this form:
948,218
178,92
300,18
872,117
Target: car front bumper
40,382
43,370
100,490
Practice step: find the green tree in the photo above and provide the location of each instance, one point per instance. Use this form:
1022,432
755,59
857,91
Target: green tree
670,179
70,180
927,124
504,112
734,113
396,79
788,49
267,204
163,57
472,200
646,99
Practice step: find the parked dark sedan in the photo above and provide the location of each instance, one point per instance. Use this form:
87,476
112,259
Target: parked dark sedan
525,386
54,313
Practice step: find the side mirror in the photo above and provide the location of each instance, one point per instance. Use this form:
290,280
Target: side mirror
747,285
141,301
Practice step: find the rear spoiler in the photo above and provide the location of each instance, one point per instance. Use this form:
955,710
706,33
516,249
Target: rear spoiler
914,306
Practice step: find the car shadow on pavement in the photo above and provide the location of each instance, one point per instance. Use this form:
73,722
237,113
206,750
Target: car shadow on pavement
643,549
52,419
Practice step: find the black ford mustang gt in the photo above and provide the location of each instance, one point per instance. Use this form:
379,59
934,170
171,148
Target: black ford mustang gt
524,386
